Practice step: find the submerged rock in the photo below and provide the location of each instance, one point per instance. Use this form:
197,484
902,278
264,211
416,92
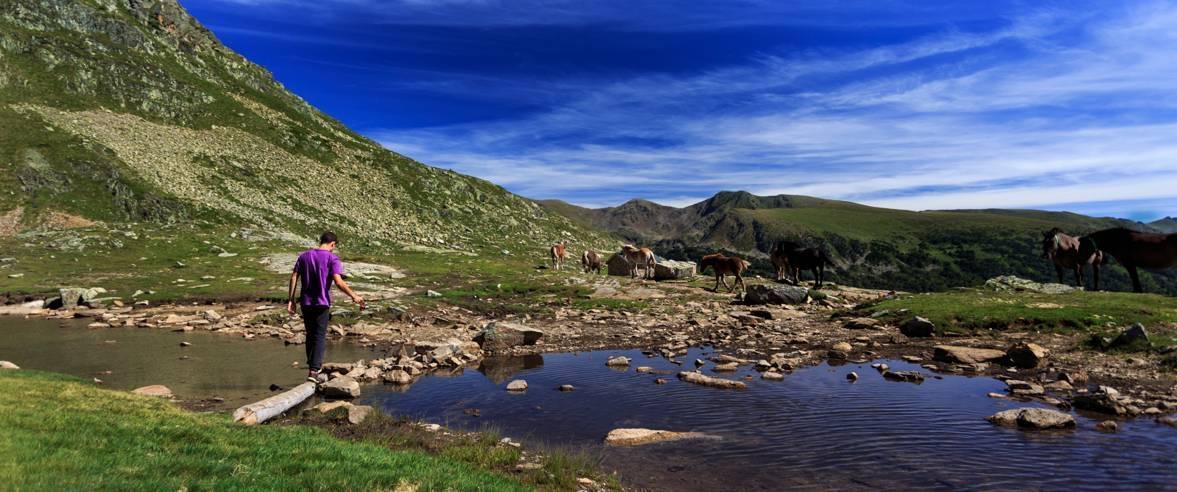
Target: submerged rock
637,436
906,376
705,380
1033,418
617,361
567,387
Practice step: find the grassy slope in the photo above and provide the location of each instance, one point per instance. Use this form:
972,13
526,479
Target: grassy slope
61,433
1096,312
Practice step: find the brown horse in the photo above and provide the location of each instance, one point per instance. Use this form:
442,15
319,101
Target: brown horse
639,258
1064,252
591,261
723,266
1133,250
790,258
558,252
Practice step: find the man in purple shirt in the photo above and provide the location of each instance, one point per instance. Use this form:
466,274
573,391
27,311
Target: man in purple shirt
316,269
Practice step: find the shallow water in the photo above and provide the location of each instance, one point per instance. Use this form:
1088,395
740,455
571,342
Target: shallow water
812,430
216,365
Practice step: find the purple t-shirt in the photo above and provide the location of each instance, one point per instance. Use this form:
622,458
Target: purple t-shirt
315,267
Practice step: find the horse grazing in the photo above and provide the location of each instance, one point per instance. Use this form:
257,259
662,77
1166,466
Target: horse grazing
558,252
790,258
1133,250
723,266
1064,252
639,257
591,261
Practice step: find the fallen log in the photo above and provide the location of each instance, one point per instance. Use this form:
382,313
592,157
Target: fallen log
705,380
256,413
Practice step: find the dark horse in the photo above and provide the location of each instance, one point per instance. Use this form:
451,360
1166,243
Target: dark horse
1133,250
790,258
1065,253
725,265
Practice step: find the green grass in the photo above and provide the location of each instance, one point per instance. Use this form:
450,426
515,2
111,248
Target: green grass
61,433
970,310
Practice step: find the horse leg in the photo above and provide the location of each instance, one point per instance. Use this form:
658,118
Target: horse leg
1058,269
1135,278
740,281
1079,276
725,285
820,274
1095,275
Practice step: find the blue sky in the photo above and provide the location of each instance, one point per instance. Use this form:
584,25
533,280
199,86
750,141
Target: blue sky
915,105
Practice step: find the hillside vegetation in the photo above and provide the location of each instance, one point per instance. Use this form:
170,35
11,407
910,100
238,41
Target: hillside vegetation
120,111
873,247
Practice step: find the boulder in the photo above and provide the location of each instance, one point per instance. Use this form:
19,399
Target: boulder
1027,355
918,327
72,297
776,294
517,385
862,324
340,387
1010,283
8,365
636,437
1135,334
158,390
358,413
674,270
965,355
1101,401
503,335
1033,418
397,376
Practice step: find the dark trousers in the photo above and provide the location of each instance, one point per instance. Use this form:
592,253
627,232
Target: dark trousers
316,319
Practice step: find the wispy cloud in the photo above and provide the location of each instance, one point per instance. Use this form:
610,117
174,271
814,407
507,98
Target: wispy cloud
1054,108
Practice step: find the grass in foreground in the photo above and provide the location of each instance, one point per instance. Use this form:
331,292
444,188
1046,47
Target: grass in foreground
971,310
61,433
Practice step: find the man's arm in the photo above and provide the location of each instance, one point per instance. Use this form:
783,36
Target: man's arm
347,290
291,292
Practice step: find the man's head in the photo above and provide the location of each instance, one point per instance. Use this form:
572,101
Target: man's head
327,240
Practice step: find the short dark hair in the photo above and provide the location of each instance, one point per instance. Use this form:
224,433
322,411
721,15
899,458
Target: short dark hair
328,238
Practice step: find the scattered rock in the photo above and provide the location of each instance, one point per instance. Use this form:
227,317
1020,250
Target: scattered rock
397,376
637,437
328,406
661,381
726,367
1104,400
918,327
185,344
772,376
776,294
158,390
567,387
862,324
1024,388
1033,418
705,380
1027,355
881,367
517,385
644,369
340,387
965,355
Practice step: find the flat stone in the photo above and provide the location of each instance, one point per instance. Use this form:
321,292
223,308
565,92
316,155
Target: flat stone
617,361
772,376
705,380
328,406
862,324
965,355
358,413
1033,418
1024,388
157,390
726,367
644,369
637,436
517,385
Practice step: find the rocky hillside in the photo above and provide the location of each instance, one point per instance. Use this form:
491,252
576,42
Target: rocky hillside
130,110
874,247
1167,225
